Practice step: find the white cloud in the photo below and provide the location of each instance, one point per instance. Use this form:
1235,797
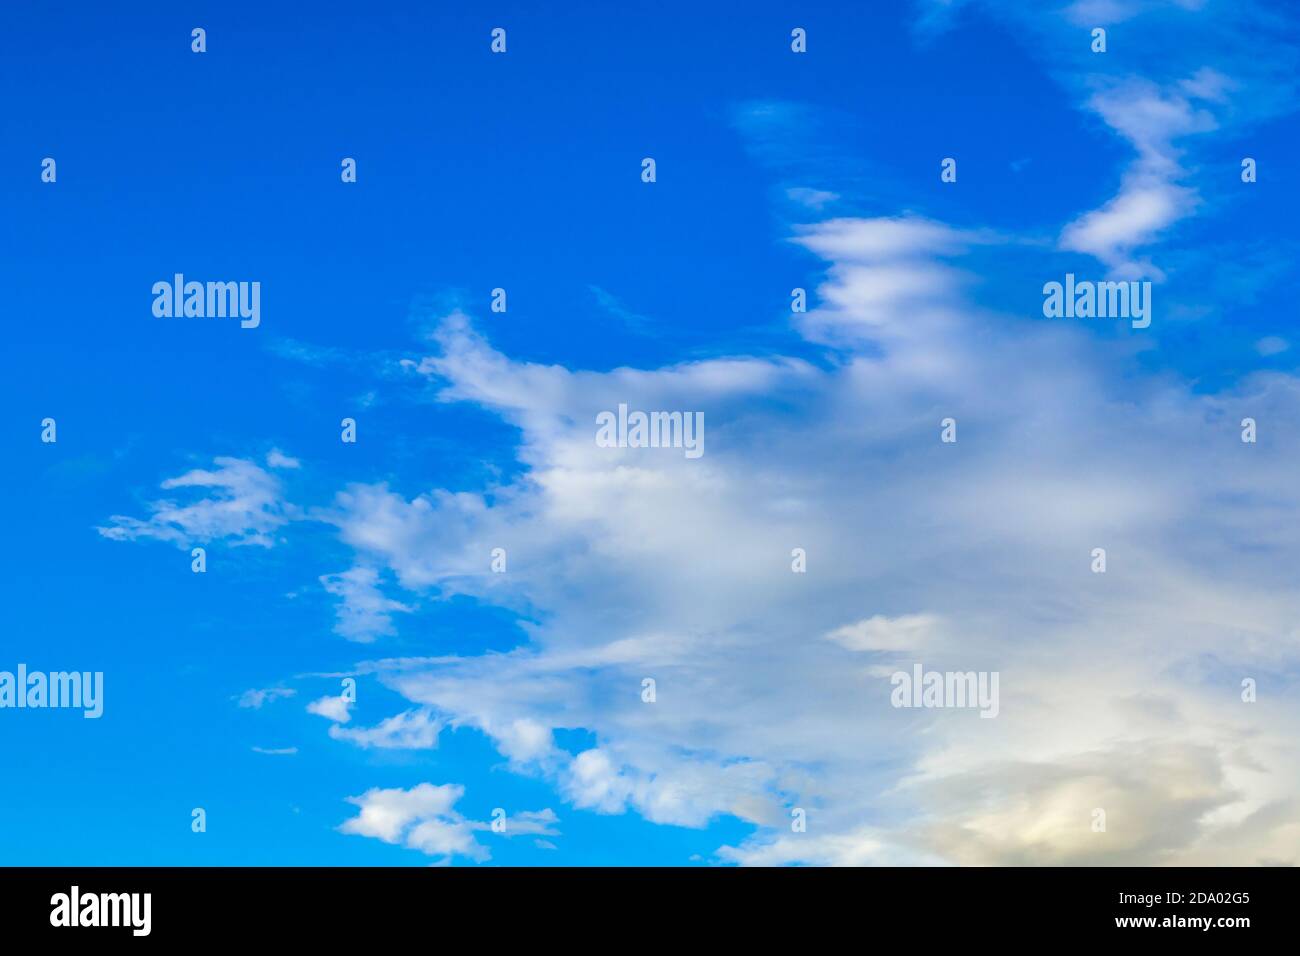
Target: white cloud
441,838
337,709
422,818
409,730
527,823
1150,197
246,507
257,698
890,285
811,198
1222,67
278,459
363,613
908,632
862,846
595,782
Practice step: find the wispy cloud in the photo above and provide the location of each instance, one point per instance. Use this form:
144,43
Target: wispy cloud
364,613
615,307
409,730
255,699
246,506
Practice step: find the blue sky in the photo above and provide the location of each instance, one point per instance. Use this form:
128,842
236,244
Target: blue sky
775,170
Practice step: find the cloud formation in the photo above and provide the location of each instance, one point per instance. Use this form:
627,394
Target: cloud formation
1121,691
245,506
